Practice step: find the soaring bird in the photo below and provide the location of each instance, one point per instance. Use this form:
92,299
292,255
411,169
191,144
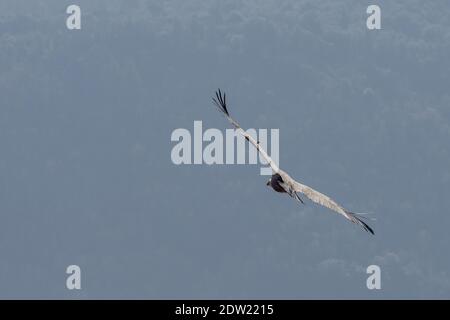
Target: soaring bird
281,182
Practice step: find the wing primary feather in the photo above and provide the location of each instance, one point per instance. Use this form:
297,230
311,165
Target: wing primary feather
218,105
221,102
215,102
217,96
220,97
355,218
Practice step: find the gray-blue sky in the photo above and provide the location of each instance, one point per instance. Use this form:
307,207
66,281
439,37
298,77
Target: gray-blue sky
85,170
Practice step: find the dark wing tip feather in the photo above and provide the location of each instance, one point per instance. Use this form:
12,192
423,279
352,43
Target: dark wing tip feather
220,102
366,227
358,220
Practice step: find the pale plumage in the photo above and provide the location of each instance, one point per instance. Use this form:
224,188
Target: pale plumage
282,182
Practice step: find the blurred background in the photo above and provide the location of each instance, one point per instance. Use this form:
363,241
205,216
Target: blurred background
86,176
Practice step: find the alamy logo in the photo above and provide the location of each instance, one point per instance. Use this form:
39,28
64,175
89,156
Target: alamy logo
374,280
374,20
73,281
190,149
73,22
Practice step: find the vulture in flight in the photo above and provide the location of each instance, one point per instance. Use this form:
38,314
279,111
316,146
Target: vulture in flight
280,181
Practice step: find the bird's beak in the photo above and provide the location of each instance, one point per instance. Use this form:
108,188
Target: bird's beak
268,183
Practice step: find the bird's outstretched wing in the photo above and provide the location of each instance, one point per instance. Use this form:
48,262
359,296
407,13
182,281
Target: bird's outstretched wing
221,103
325,201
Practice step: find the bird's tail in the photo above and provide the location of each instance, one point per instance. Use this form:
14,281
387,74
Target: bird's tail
297,197
359,218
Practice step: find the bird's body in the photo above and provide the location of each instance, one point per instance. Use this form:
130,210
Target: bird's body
275,182
282,182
